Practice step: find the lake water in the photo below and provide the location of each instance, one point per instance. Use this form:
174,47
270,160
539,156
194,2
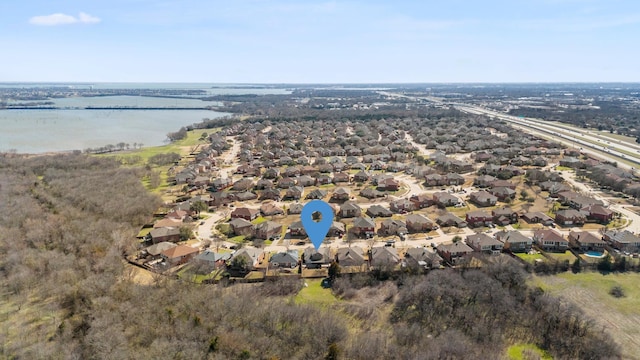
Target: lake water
39,131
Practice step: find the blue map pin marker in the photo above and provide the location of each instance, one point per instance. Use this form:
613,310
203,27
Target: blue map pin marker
317,230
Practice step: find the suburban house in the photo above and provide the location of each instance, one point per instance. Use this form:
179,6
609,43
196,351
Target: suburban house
538,217
623,240
179,254
570,217
483,181
337,229
252,257
168,234
375,211
371,193
401,206
295,208
270,209
245,213
576,200
220,184
212,260
417,223
389,184
421,201
454,253
268,230
422,257
586,241
349,209
341,194
155,250
391,227
350,256
444,199
364,227
514,241
243,184
384,255
287,259
503,193
598,213
483,198
316,194
449,219
313,259
240,226
297,229
504,216
550,240
484,243
294,193
479,218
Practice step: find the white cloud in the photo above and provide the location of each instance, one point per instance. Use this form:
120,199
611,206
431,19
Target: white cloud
63,19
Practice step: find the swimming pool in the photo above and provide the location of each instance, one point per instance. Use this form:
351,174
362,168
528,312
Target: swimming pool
594,254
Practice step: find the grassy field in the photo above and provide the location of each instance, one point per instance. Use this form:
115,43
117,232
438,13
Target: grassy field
567,255
590,291
530,258
315,294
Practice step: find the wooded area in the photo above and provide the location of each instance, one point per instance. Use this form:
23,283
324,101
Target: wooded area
67,293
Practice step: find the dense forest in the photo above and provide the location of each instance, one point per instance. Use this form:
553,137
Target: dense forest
66,221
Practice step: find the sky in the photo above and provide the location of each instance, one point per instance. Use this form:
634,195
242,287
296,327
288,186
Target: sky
288,41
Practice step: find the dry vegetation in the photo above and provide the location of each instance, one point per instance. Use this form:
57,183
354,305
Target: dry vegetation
66,221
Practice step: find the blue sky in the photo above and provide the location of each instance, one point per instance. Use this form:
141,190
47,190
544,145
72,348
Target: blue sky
361,41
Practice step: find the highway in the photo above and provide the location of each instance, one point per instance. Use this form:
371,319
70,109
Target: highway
590,142
571,137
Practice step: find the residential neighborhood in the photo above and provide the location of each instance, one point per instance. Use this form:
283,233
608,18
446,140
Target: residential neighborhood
394,194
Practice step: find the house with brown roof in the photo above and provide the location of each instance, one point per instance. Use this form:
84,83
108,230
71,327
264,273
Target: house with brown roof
179,254
449,219
349,209
504,216
417,223
294,193
483,198
165,234
376,211
401,206
623,240
268,230
538,217
586,241
421,201
341,194
598,213
340,177
364,227
388,184
245,213
570,217
550,240
422,257
503,193
455,253
316,194
384,256
478,218
484,243
514,241
391,227
240,226
270,209
371,193
443,199
350,256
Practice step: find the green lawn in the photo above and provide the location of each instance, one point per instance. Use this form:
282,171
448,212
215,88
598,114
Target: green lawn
258,220
517,352
567,255
315,294
530,258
